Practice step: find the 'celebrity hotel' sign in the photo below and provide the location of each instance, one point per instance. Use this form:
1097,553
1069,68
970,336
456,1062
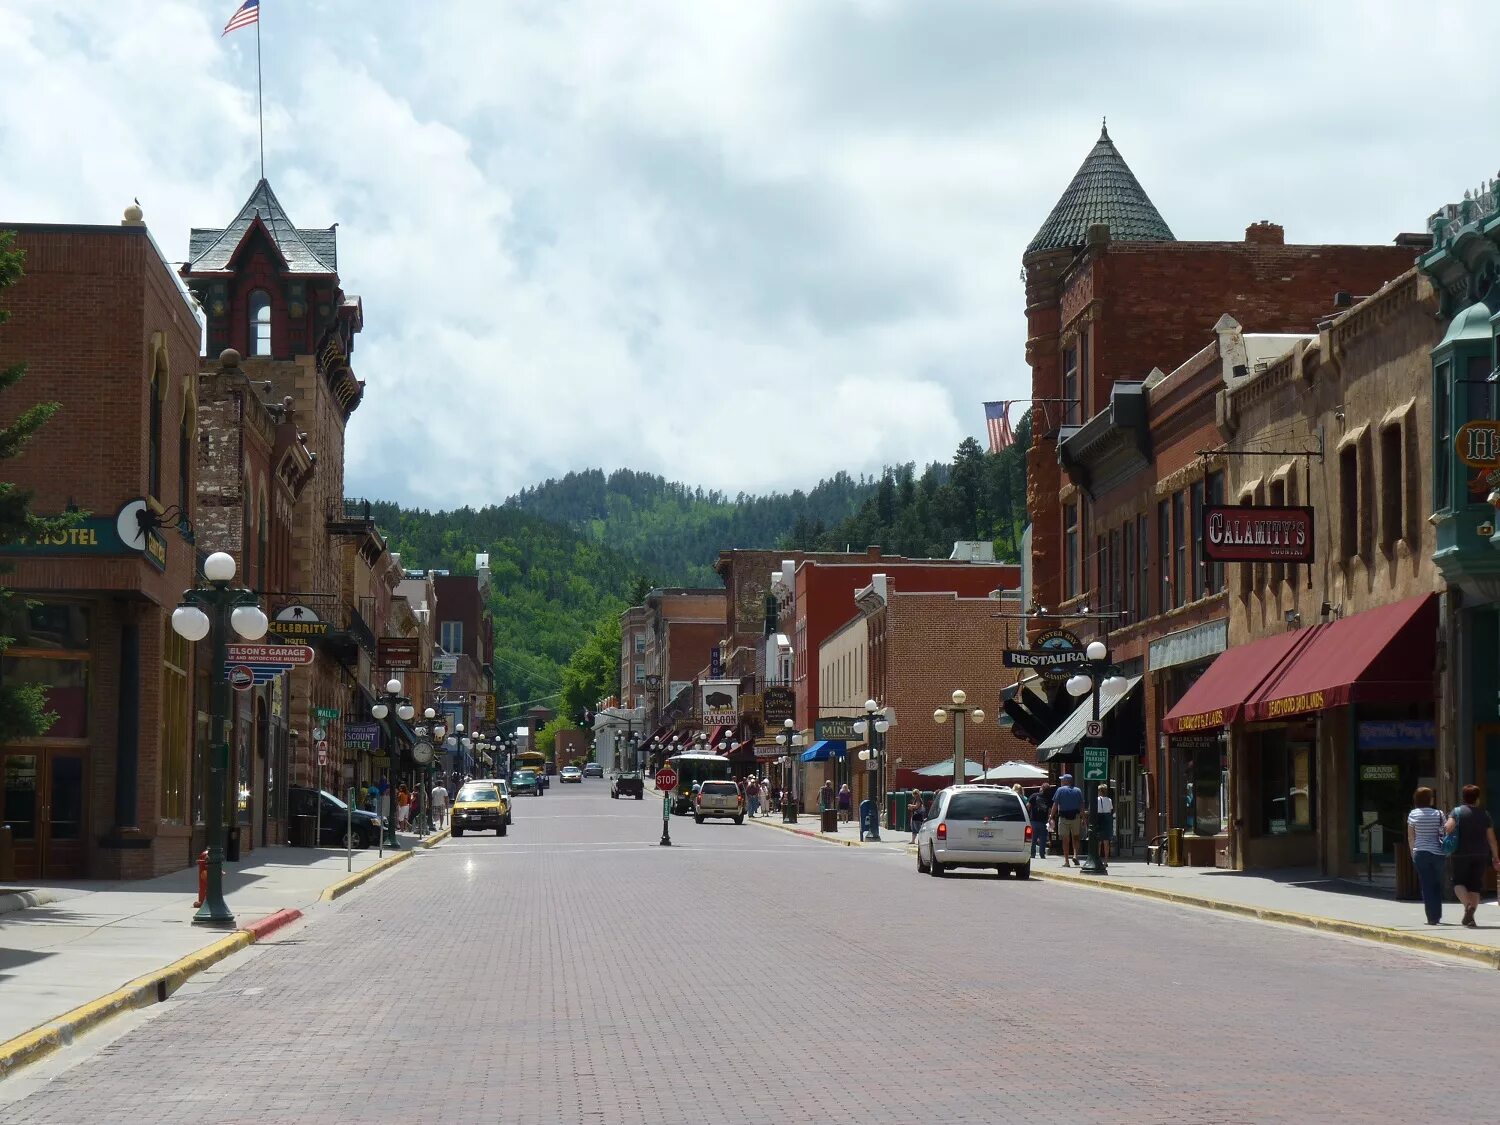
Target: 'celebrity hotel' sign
1245,533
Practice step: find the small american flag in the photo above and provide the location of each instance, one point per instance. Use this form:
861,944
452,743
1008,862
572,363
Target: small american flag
997,422
246,14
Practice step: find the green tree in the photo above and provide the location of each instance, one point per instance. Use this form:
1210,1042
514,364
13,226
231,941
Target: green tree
546,738
22,707
593,672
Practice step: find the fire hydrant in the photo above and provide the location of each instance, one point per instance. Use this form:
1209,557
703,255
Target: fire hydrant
202,878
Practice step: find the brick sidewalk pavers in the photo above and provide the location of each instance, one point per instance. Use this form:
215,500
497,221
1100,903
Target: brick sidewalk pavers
576,972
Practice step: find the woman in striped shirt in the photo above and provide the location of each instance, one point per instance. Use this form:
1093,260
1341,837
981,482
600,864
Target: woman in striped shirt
1424,835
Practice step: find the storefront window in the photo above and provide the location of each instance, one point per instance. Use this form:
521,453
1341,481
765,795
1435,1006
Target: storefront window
19,807
1395,756
65,690
1286,781
50,649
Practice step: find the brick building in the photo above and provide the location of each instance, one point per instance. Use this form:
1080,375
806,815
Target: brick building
1126,428
1324,710
682,626
110,791
465,632
633,639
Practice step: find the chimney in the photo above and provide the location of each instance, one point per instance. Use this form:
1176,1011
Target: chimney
872,552
1265,233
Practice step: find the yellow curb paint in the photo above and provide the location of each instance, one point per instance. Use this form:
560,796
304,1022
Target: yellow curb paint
139,993
436,838
344,886
1484,954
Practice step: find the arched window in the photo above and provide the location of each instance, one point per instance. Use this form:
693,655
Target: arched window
185,452
260,323
263,542
158,392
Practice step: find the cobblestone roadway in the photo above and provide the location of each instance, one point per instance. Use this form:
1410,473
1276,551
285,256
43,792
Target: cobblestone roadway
575,973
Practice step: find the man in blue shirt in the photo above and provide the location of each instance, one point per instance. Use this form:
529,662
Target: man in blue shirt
1067,809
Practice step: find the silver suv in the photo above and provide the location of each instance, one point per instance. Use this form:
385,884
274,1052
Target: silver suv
975,826
719,799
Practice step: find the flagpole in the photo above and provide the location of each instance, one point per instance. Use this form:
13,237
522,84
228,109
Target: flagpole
260,99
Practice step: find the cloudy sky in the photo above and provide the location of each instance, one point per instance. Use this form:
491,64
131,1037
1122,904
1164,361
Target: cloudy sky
743,243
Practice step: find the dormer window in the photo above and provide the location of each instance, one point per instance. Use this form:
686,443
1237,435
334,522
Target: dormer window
260,323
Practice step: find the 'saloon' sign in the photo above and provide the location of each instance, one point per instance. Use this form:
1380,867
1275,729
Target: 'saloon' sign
1246,533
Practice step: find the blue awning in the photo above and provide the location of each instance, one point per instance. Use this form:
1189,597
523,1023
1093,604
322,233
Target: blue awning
828,748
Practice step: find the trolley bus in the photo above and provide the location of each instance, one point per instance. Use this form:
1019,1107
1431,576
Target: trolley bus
693,766
532,760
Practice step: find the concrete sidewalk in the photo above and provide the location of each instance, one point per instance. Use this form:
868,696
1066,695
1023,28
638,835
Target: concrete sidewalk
94,938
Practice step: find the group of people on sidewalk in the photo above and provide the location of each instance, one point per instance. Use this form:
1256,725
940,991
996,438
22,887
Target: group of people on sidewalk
1466,837
1057,812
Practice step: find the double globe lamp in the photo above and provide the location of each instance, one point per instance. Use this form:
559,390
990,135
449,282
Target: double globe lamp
218,607
1094,679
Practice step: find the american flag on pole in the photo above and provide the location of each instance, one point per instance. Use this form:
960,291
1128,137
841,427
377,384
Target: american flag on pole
246,14
997,423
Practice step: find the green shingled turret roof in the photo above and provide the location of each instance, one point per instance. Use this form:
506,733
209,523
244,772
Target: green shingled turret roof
1104,190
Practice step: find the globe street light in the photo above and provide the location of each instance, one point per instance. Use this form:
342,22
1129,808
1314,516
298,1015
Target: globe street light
391,702
958,710
873,726
791,739
217,608
1095,675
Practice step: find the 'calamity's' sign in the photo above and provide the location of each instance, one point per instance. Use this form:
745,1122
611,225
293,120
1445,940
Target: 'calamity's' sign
1245,533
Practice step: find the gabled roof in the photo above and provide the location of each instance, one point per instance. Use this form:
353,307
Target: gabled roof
305,251
1104,190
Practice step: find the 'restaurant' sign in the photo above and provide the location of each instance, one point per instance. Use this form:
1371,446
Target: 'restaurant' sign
1056,654
1246,533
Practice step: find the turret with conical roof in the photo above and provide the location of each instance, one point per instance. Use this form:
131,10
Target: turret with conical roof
1103,190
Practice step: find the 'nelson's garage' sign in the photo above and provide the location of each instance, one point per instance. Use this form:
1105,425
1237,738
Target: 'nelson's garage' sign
1246,533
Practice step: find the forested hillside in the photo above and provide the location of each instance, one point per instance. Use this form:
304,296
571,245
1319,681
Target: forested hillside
548,584
677,531
979,496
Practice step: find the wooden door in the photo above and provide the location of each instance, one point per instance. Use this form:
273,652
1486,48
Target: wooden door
45,806
21,807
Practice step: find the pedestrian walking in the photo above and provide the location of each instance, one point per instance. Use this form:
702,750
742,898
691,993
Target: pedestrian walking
752,797
916,813
846,803
403,808
1476,844
440,806
1106,819
1424,832
825,797
765,796
1039,808
1067,809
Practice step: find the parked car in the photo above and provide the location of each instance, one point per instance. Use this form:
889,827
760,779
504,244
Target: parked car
593,769
627,785
525,781
719,799
975,826
480,806
571,773
334,826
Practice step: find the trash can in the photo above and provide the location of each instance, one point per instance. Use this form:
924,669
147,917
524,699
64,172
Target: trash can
830,820
1176,852
232,845
897,819
304,831
7,854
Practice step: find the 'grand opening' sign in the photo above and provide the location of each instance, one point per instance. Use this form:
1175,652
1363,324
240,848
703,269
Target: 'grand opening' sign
1246,533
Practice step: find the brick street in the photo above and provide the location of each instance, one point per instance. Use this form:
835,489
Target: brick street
576,972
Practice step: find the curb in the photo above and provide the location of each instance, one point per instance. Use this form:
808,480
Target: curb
21,900
811,835
1484,954
271,923
344,886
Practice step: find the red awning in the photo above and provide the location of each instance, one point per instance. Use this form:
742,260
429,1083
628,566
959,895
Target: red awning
1220,694
1383,655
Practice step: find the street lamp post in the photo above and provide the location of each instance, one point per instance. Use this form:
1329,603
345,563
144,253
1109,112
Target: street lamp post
790,738
1094,675
959,710
873,726
217,608
391,702
425,731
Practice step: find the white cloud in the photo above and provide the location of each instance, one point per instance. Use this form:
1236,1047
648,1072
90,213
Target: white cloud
745,245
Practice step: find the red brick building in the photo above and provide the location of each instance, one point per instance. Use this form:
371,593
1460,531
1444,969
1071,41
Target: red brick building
110,791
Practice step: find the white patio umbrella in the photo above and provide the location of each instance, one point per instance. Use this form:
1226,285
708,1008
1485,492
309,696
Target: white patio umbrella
1016,771
945,769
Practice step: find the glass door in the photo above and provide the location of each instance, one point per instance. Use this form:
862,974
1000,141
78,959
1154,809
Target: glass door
21,807
44,806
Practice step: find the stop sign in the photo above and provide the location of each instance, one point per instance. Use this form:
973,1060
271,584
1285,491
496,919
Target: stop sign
666,779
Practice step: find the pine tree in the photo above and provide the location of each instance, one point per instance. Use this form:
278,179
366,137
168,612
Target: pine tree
22,711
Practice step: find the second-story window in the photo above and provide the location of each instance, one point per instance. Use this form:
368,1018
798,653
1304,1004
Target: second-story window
1349,500
158,393
1392,487
451,636
1070,386
1195,536
1164,553
1070,551
1179,548
260,323
1214,572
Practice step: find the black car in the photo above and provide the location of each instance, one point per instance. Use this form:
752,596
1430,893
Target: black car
334,820
628,785
593,769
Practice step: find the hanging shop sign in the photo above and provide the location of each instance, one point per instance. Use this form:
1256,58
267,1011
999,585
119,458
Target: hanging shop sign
1247,533
720,702
835,730
399,654
445,665
777,705
1478,444
298,620
1056,654
268,662
716,662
